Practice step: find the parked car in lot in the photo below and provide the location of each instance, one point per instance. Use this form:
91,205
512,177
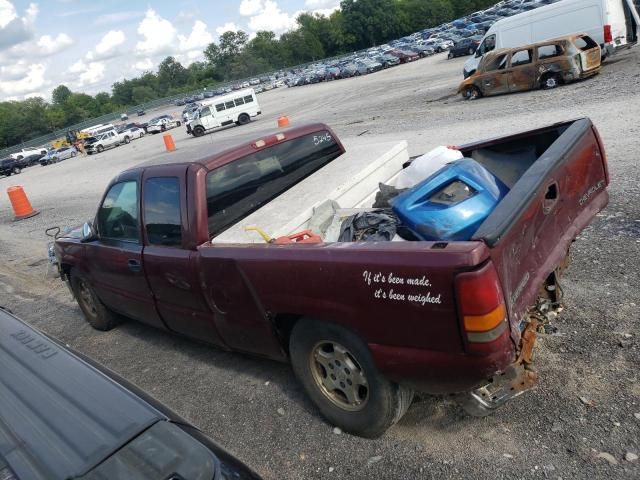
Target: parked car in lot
466,46
162,123
541,65
10,166
141,113
65,416
31,160
110,139
28,151
363,324
57,155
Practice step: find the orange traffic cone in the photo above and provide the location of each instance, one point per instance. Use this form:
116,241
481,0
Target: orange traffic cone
21,206
168,142
283,121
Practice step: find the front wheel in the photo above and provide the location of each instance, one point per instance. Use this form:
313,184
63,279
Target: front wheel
100,149
450,55
471,51
16,170
73,154
198,131
178,123
471,93
127,140
337,371
95,312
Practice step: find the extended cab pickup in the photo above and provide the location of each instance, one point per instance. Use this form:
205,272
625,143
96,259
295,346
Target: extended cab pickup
364,324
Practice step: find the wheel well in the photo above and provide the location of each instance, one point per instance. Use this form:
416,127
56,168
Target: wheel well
283,324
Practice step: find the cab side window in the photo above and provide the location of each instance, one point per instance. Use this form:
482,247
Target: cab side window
521,57
162,219
205,111
118,214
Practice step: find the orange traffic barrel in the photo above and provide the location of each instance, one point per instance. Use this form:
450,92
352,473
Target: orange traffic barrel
168,142
283,121
21,206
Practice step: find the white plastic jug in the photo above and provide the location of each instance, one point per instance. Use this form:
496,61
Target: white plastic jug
426,165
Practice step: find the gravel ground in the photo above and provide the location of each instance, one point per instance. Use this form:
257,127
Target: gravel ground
546,433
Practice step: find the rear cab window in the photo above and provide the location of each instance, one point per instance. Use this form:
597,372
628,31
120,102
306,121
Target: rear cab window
239,188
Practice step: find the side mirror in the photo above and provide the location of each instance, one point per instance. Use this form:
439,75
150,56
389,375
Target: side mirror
88,232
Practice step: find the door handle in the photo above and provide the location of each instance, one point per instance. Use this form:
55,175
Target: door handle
551,196
134,265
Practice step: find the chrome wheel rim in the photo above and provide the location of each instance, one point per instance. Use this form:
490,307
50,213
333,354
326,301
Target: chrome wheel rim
551,82
84,294
339,376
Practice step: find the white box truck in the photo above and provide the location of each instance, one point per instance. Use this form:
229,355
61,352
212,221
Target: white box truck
237,107
611,23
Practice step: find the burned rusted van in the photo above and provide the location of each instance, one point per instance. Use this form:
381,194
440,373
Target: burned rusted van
540,65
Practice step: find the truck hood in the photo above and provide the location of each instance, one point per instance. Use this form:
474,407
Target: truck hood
60,417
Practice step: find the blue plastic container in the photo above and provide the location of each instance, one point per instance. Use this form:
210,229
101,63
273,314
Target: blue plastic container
452,203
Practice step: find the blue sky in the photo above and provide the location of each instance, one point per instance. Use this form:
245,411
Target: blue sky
88,45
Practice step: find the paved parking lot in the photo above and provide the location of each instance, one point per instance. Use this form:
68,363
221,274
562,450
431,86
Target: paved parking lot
546,433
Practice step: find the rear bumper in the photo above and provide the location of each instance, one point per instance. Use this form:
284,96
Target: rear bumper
442,372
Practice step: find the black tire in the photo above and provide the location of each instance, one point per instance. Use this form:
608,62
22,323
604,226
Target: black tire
450,55
73,154
550,81
100,148
471,51
15,170
243,119
95,312
127,140
198,131
178,123
163,128
471,93
378,403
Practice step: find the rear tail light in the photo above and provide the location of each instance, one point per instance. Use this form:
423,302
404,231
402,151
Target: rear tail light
481,305
608,37
603,154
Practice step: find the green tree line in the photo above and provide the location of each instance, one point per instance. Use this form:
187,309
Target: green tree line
356,25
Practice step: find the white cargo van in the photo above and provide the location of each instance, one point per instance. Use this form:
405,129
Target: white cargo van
611,23
237,107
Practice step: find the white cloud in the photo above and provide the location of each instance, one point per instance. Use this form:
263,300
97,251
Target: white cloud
32,81
13,28
270,17
48,45
14,70
251,7
93,73
107,47
78,67
159,35
322,4
143,65
199,37
227,27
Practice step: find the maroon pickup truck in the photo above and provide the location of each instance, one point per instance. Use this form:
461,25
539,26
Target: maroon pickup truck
364,324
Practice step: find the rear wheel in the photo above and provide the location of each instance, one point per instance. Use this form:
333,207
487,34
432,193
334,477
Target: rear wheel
337,371
73,154
243,119
95,312
551,80
178,123
198,131
127,139
15,170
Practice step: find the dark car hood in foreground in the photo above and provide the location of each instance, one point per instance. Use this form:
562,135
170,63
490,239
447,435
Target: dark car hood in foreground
59,417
